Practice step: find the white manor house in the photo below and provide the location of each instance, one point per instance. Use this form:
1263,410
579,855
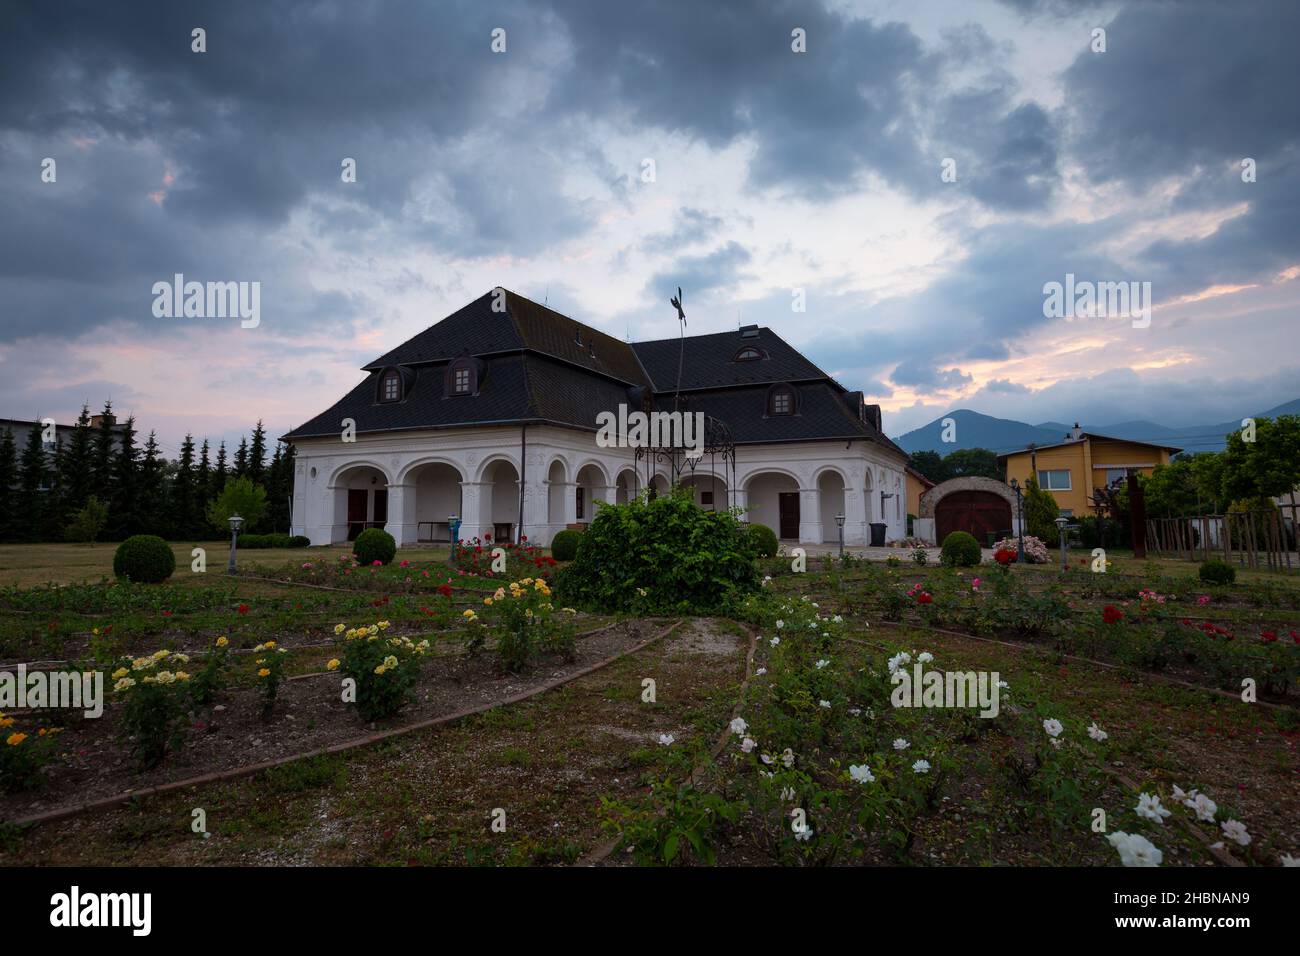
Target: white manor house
491,415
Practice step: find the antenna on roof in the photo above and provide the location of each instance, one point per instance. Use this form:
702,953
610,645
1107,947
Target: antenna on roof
676,303
546,299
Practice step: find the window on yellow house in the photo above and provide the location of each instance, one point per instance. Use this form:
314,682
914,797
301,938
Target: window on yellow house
1056,480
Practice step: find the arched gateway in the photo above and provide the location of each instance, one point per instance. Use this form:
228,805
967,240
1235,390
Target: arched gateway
980,506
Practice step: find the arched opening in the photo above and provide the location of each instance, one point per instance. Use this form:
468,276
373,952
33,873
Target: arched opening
435,496
625,487
710,491
360,502
830,488
499,516
869,498
658,486
591,487
773,500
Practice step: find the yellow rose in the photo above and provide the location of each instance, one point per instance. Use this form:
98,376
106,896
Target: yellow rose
468,613
264,673
222,642
120,673
380,669
487,601
333,664
269,644
339,628
13,740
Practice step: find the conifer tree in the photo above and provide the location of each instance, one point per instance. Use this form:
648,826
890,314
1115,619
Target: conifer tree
76,466
183,498
32,491
8,486
256,464
219,473
152,503
102,459
123,512
241,458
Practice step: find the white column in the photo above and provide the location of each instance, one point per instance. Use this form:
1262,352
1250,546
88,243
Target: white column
570,499
535,503
471,503
401,514
855,523
738,499
810,516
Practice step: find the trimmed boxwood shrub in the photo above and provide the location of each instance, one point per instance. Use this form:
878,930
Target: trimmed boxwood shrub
144,558
960,550
1218,572
374,544
277,540
763,540
564,546
663,556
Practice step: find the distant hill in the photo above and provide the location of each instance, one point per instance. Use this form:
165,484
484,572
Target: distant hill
976,430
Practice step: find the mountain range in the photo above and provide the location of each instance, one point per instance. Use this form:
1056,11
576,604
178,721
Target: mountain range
976,430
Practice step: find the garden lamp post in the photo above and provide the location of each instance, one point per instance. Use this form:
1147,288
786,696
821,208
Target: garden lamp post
236,522
839,521
453,525
1020,522
1061,522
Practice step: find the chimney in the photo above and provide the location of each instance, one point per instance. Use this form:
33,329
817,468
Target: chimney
97,420
1076,432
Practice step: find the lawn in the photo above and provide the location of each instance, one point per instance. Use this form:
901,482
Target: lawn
770,737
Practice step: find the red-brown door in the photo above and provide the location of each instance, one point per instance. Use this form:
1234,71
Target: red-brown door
356,512
788,508
979,512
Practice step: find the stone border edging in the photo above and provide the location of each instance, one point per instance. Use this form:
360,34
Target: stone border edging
104,803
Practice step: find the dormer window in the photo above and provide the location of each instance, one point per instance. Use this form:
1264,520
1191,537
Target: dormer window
748,354
462,377
390,389
780,400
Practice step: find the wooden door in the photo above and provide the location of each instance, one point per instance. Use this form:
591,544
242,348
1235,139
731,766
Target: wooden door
788,506
979,512
356,512
381,507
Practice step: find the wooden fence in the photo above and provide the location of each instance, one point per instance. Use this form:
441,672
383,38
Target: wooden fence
1264,538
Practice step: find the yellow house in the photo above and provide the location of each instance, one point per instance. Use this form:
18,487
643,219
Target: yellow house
917,485
1072,469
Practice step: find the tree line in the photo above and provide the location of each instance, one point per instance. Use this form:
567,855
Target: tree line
99,481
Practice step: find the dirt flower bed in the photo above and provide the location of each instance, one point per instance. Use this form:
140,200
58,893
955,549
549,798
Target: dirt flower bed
309,714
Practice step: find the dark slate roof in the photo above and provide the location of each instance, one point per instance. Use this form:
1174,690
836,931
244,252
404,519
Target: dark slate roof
534,371
821,413
476,329
708,362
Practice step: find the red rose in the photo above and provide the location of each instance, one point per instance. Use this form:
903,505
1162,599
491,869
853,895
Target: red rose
1268,637
924,598
1111,614
243,609
444,590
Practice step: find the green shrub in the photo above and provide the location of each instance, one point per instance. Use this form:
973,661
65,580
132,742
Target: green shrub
144,558
960,550
87,523
299,541
385,669
564,546
24,751
155,702
374,544
1041,512
666,555
1218,572
763,540
239,497
275,540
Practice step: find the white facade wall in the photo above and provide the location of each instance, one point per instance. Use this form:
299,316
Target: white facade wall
475,473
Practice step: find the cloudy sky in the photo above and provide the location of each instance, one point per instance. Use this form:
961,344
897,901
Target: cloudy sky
773,171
